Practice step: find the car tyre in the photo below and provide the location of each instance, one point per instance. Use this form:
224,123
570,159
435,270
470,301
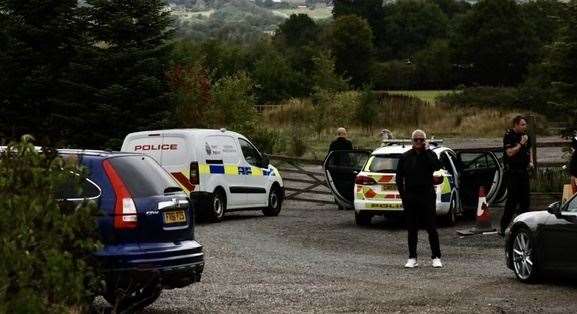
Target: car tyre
130,297
274,203
362,219
523,256
218,207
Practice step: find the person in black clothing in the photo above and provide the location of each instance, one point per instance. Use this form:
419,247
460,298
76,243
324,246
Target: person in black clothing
341,142
342,180
517,159
573,165
414,180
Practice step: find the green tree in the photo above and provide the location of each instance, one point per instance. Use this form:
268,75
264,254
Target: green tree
38,41
434,69
275,79
297,31
125,73
494,43
46,245
370,10
410,26
367,110
234,97
324,75
545,18
352,45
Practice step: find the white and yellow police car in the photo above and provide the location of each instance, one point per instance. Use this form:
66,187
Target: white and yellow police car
365,180
222,170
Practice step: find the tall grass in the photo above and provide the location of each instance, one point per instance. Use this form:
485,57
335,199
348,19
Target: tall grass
400,114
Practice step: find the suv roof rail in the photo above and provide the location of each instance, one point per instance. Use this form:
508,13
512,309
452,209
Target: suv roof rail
403,141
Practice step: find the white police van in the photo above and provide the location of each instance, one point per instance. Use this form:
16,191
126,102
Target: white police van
222,170
365,180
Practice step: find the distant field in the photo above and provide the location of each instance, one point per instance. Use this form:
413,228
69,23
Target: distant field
317,14
425,95
183,14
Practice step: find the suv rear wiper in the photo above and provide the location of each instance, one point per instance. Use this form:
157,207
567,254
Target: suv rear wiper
172,189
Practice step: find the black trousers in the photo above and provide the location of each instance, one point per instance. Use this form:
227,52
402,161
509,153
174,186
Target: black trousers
420,210
517,196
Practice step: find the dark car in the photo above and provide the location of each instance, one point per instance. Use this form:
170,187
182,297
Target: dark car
543,242
146,226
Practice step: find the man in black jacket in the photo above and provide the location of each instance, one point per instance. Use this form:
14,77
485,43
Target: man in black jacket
573,164
414,180
518,161
341,142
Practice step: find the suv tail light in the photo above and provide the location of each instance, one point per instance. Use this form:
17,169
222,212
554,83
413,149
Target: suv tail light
125,215
194,175
364,180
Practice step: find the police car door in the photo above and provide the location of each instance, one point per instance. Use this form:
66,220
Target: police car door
252,169
223,160
341,169
479,169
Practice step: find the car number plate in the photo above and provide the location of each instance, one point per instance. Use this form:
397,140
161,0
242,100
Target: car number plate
386,205
174,217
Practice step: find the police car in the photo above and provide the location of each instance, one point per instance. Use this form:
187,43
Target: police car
365,180
221,170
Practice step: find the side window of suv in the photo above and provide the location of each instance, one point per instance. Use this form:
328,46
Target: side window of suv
251,154
68,190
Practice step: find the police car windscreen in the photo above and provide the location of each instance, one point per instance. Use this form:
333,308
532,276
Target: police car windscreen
384,163
143,176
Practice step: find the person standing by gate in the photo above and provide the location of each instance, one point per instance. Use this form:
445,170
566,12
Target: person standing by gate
414,180
517,159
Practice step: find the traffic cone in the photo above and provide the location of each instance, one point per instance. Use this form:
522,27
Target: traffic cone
483,217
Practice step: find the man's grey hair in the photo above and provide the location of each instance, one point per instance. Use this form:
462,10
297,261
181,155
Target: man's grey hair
419,132
341,131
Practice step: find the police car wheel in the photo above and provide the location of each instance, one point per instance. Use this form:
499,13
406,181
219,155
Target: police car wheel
218,206
274,203
362,219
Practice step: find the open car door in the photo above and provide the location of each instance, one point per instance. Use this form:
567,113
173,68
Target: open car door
341,169
480,169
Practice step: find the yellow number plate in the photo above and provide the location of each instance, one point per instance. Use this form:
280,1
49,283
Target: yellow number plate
174,217
386,205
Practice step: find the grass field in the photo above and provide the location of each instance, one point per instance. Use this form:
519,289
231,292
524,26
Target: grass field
425,95
317,14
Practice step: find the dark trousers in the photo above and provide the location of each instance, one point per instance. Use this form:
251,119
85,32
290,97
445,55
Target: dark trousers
420,210
517,196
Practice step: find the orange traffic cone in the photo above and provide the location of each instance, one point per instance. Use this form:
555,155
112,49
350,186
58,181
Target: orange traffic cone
483,217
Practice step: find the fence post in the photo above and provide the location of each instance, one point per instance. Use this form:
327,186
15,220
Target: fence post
533,137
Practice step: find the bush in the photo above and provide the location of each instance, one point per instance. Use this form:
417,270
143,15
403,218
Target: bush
494,97
265,139
45,247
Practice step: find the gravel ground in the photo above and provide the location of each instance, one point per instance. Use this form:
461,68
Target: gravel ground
315,259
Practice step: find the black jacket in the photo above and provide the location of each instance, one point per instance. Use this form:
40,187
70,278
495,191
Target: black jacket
415,171
341,143
573,164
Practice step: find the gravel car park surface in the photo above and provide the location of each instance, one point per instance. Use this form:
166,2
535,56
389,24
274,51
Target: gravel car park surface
315,259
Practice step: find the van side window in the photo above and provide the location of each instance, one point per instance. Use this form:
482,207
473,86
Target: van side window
251,154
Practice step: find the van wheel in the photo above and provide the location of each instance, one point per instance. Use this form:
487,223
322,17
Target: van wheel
274,203
218,206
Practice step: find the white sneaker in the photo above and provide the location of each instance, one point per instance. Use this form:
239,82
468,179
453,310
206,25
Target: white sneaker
436,262
411,263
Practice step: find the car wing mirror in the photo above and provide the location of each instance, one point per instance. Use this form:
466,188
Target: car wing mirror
554,208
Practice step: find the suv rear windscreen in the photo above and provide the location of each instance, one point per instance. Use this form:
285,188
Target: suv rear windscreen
143,176
383,163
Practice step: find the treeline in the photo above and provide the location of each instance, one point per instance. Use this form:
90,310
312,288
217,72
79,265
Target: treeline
86,75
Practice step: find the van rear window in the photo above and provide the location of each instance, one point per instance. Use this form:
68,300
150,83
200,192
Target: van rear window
143,176
384,163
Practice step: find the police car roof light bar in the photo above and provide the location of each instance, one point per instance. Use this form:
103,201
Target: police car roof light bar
435,142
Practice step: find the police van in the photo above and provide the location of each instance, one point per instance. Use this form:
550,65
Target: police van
222,170
365,180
